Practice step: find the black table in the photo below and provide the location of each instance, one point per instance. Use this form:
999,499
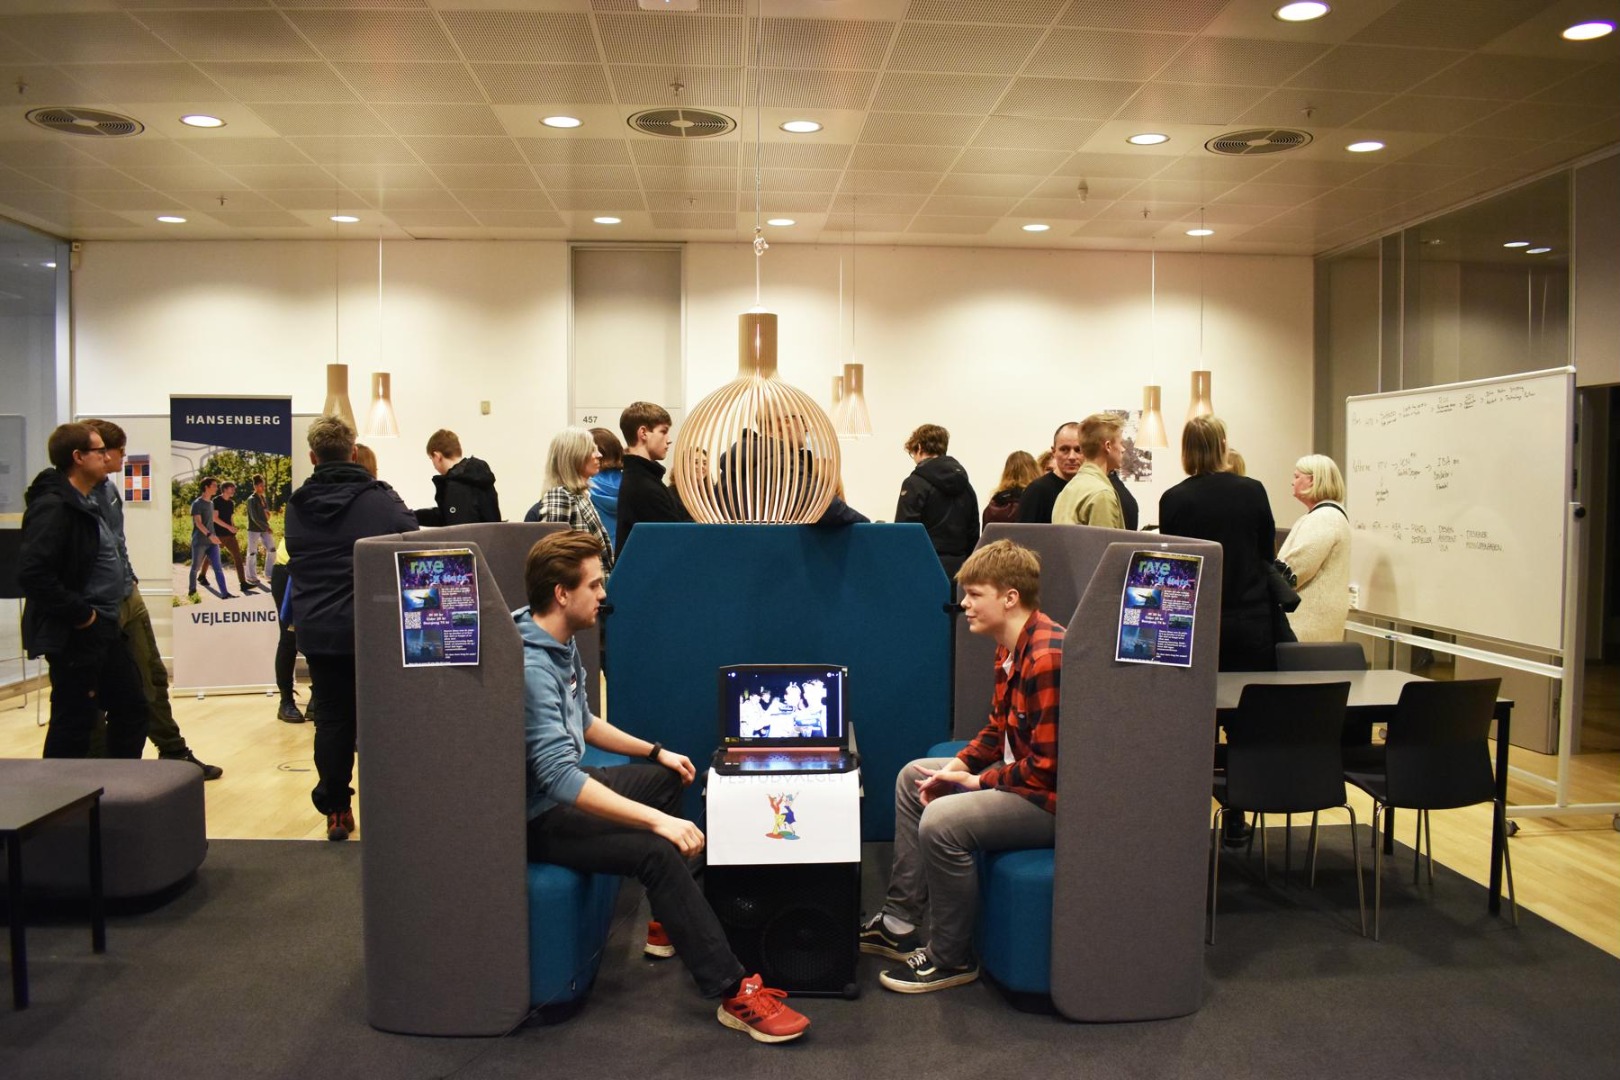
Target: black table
1373,695
23,809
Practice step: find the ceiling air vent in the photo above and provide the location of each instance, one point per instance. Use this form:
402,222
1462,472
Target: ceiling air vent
97,123
676,123
1258,141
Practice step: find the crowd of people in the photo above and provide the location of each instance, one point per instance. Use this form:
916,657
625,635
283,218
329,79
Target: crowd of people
84,613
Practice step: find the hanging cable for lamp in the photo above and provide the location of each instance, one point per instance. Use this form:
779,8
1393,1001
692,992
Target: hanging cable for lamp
760,246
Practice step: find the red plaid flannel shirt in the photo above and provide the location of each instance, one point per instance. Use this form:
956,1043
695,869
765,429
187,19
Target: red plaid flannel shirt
1023,708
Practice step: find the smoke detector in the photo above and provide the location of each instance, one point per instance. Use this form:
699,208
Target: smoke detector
96,123
1258,141
682,123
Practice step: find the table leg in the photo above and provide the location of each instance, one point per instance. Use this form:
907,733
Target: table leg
14,900
98,912
1389,830
1504,717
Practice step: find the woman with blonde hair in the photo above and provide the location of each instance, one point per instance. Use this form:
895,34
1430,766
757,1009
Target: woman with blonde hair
1318,551
1018,473
571,462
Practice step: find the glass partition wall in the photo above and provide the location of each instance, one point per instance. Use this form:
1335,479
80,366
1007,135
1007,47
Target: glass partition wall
1479,292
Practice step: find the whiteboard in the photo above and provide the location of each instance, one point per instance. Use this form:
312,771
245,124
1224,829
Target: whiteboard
1458,499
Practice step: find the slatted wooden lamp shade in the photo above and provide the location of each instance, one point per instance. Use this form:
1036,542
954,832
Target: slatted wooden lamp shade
756,451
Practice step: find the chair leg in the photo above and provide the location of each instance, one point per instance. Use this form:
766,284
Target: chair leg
1288,849
1378,872
1507,865
1313,847
1265,853
1361,892
1428,835
1214,871
1417,846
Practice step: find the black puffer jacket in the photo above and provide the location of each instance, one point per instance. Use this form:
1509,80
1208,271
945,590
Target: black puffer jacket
61,534
464,495
938,495
339,504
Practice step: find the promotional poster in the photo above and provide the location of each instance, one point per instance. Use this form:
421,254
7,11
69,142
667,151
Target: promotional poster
438,607
231,477
1157,607
792,819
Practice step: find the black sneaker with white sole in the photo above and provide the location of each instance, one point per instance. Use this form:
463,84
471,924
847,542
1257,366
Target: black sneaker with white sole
876,939
921,975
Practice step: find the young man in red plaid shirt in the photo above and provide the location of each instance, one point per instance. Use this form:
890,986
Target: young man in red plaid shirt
998,793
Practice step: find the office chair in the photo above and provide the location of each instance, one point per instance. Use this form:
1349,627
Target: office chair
1435,758
1283,757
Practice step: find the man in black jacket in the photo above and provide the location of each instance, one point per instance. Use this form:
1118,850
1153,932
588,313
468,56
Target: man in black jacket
1036,505
643,495
463,490
938,495
340,503
73,585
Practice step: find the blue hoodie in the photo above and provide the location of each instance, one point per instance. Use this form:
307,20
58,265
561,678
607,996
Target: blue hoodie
556,713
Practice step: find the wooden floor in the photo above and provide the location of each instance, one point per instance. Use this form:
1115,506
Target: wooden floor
1567,869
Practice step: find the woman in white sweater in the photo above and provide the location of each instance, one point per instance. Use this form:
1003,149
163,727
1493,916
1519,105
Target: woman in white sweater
1318,551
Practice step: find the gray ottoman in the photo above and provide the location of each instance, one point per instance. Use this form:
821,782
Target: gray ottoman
153,828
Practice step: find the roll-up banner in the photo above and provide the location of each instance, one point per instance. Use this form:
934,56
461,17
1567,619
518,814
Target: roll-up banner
231,479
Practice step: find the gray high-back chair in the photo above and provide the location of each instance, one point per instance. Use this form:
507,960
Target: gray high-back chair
1130,860
443,893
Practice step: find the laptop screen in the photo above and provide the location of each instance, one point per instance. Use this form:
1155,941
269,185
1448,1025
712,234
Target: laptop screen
782,705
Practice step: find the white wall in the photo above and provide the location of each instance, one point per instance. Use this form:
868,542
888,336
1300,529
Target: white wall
462,323
998,346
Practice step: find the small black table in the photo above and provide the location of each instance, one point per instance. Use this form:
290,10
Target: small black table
23,809
1373,695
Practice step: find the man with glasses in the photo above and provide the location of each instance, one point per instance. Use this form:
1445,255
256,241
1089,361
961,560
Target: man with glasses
133,618
73,580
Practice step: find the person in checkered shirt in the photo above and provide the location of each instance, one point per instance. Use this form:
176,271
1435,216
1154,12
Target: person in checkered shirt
999,792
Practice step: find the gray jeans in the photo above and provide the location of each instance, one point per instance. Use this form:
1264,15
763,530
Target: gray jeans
933,870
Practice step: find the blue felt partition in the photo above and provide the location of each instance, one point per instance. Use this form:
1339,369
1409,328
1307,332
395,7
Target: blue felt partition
690,599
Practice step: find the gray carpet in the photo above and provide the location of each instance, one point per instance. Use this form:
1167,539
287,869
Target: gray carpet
255,970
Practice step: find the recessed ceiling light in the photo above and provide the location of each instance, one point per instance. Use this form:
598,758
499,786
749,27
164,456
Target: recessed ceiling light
562,121
1200,232
1301,12
607,220
801,127
1537,251
781,222
1036,227
1588,31
49,265
1517,243
202,120
345,219
1366,147
1148,138
171,219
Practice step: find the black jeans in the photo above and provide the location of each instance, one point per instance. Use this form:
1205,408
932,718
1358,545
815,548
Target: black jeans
95,673
331,679
287,644
568,836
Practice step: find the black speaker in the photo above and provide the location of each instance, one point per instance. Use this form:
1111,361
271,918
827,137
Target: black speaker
795,925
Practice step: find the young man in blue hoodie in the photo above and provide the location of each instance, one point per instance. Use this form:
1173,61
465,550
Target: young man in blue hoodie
622,819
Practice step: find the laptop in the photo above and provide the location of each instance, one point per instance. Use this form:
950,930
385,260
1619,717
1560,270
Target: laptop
783,718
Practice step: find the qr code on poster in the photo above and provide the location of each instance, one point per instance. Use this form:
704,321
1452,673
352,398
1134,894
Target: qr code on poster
1132,617
413,620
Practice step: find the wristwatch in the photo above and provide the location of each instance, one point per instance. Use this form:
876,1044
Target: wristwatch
652,755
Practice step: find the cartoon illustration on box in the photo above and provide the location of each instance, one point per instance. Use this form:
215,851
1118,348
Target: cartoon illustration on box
782,812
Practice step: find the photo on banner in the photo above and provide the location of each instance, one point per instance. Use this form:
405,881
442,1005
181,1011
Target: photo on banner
230,481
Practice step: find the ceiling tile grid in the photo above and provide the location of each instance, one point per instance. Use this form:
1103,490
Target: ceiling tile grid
946,119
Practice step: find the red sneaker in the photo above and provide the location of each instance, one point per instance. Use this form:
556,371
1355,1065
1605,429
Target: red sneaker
759,1010
658,943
